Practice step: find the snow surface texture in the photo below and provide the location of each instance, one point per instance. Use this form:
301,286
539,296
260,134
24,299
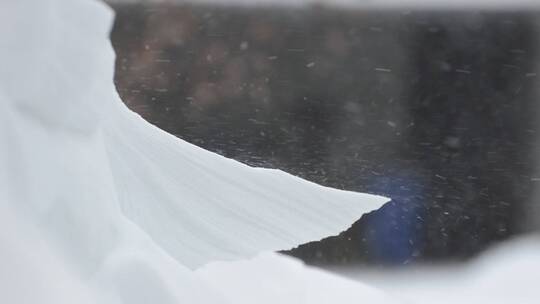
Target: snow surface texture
508,273
98,206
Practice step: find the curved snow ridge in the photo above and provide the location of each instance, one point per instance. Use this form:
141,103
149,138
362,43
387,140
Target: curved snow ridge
202,207
118,209
78,160
99,206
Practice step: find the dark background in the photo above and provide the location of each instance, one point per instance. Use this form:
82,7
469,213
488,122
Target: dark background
436,110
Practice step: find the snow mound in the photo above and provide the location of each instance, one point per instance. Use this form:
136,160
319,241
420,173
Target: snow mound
507,273
99,205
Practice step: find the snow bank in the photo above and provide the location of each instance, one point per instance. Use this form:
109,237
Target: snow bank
97,204
507,273
202,207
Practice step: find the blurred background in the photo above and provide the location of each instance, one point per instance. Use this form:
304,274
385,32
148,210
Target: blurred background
435,107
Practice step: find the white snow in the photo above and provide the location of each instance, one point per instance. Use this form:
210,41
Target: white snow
112,205
99,206
279,279
211,208
507,273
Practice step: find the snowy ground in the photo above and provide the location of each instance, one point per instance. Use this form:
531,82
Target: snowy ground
506,273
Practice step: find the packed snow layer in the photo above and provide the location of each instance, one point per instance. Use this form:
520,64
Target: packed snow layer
507,273
202,207
73,149
278,279
99,204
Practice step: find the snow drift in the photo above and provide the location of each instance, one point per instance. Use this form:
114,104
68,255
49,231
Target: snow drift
99,206
96,199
